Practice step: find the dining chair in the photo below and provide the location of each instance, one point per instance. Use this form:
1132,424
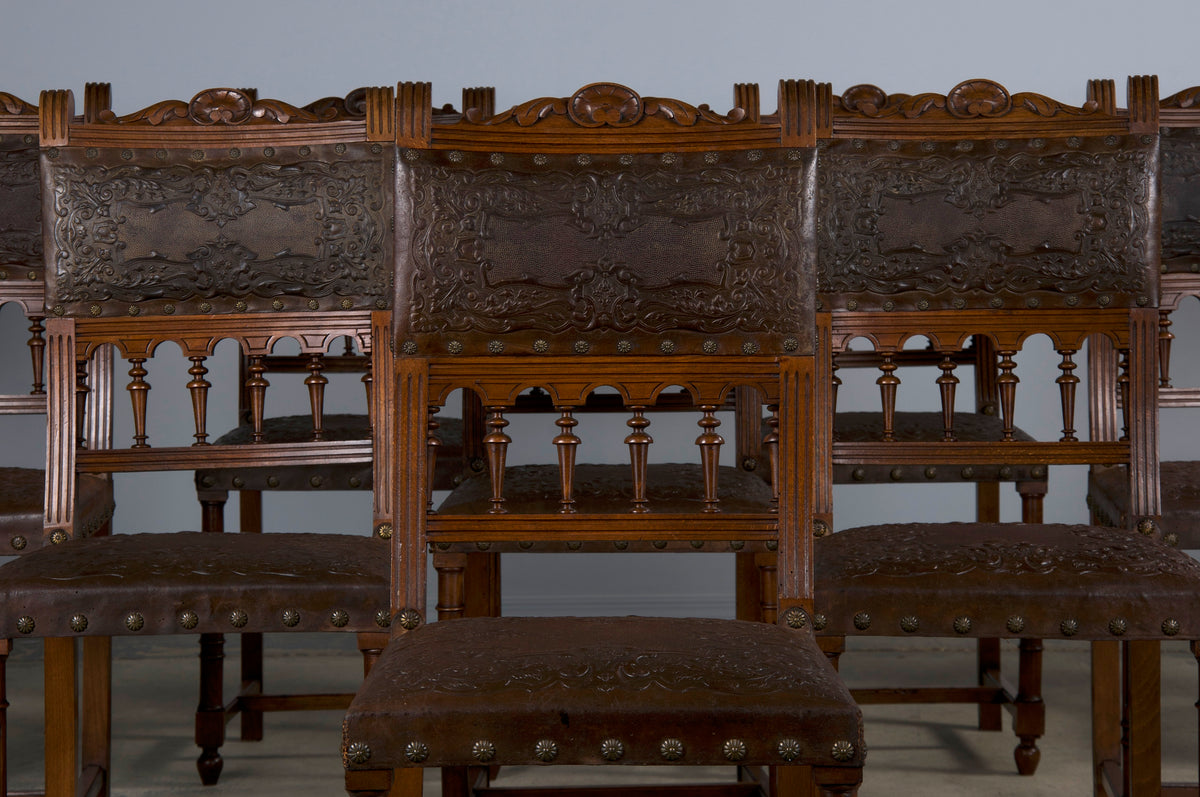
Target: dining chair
174,228
1009,215
1179,125
604,240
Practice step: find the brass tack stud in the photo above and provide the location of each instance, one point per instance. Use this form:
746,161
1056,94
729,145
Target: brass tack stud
791,344
1170,626
18,543
1038,472
540,160
1118,626
612,750
1069,627
384,531
206,307
796,617
26,624
842,751
896,474
483,546
238,482
79,623
820,528
272,481
316,481
134,621
454,347
313,304
671,749
277,304
188,619
545,750
383,618
772,545
962,624
709,346
931,472
697,544
1171,539
1146,526
1005,472
820,622
346,303
408,347
483,751
968,472
858,474
749,347
542,346
526,545
496,346
354,482
659,544
737,545
789,749
734,750
339,618
59,537
1015,624
409,619
581,347
241,306
238,618
910,624
290,618
862,621
416,752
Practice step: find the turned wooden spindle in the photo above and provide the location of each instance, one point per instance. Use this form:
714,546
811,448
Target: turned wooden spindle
566,442
432,444
368,380
1067,384
888,383
452,591
1006,385
37,353
198,388
138,389
256,392
771,445
1123,391
1165,337
639,442
947,384
836,381
81,398
316,382
495,443
710,451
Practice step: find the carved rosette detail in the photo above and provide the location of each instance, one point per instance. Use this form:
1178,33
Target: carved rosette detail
971,99
607,105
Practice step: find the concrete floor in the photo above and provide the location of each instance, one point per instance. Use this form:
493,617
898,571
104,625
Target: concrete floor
927,750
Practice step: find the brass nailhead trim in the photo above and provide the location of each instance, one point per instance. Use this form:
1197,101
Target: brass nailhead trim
545,750
1015,624
416,752
188,619
384,531
612,750
1118,626
842,751
18,543
383,618
796,617
910,624
291,618
26,625
820,622
409,619
962,624
358,752
59,537
1069,627
79,623
734,750
1170,627
862,621
483,751
134,621
339,619
789,749
671,749
238,618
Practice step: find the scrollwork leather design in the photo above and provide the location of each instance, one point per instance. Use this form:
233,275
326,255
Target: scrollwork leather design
953,220
20,204
312,228
489,245
1180,194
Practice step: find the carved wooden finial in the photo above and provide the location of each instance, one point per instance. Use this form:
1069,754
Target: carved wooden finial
414,114
380,104
805,112
745,96
1143,103
1103,92
56,108
479,101
97,97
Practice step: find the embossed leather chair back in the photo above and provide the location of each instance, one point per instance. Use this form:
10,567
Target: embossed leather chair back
935,212
604,240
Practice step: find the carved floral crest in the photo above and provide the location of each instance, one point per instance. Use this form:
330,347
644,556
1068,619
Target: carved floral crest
971,99
221,107
607,105
15,106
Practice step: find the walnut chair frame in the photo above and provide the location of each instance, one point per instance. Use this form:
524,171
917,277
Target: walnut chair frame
1066,171
170,194
564,200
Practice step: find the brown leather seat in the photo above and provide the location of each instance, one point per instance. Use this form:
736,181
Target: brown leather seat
22,492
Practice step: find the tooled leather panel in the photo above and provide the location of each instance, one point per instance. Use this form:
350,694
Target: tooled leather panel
299,224
1180,197
920,427
20,209
1022,223
22,492
609,488
547,250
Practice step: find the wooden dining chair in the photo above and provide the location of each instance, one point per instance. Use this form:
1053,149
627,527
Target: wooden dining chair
635,243
189,223
1010,215
1179,199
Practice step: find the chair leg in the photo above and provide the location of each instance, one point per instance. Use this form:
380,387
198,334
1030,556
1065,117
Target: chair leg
833,647
1106,712
987,653
250,522
97,710
210,713
1142,696
5,649
371,645
1030,722
62,717
456,782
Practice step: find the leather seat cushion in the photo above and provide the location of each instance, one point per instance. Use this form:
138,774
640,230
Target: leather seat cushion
979,579
198,582
443,691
